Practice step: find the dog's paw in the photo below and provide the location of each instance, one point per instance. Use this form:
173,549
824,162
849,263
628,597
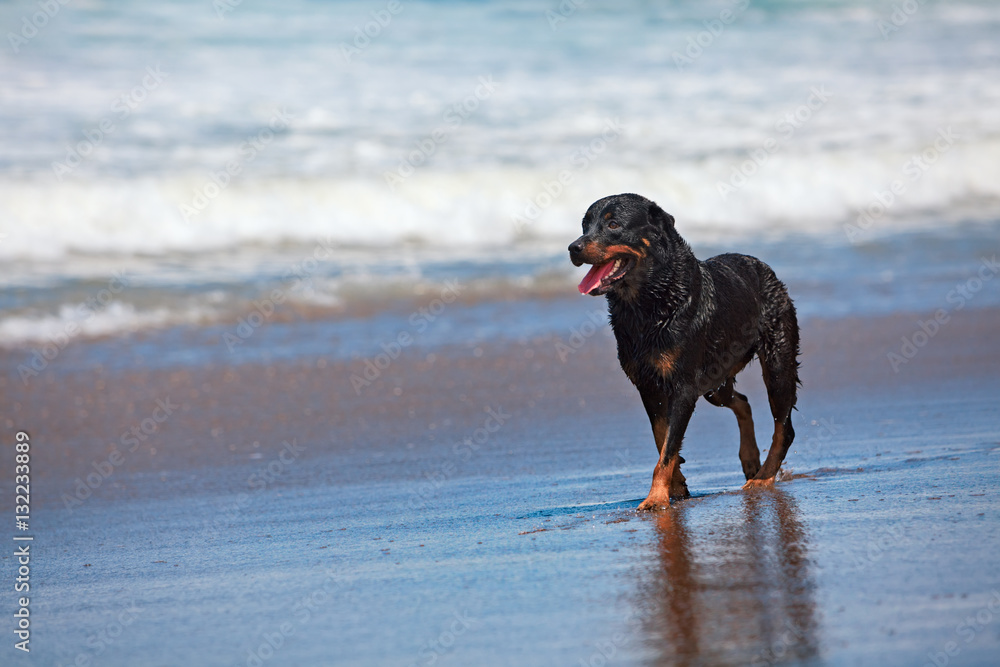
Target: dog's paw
758,483
653,504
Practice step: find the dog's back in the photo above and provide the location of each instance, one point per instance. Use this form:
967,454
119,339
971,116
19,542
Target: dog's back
752,314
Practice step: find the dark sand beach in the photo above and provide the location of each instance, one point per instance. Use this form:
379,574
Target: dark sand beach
476,506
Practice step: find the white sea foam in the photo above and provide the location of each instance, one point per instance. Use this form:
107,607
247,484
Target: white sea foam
487,190
68,325
60,316
793,190
684,127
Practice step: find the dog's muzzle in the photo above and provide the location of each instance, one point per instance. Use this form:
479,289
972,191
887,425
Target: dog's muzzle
576,249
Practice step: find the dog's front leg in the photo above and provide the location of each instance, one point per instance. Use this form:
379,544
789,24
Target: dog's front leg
669,420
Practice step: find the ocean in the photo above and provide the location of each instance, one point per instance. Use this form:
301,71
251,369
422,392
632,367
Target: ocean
176,165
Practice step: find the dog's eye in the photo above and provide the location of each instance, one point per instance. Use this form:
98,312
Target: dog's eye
612,225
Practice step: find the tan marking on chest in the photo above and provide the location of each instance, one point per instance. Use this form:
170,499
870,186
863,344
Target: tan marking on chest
665,361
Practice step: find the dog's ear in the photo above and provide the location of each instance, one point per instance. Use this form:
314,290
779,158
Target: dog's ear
659,217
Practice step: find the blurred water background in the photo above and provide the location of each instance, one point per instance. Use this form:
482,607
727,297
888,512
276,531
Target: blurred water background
352,157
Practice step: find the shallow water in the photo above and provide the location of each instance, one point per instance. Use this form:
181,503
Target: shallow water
348,310
530,551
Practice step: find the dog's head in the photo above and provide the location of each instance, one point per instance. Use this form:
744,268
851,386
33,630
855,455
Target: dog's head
621,235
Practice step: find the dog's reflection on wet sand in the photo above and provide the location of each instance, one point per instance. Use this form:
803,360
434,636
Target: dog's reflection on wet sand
731,587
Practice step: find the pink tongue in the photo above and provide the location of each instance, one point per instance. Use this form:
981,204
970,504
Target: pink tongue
597,273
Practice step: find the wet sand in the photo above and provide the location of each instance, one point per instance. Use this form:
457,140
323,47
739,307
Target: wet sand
475,505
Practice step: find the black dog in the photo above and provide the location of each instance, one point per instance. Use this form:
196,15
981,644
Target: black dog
685,328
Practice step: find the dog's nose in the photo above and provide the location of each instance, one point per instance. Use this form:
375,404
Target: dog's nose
576,250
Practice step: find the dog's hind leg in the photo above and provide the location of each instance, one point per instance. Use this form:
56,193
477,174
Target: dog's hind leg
778,354
726,396
749,453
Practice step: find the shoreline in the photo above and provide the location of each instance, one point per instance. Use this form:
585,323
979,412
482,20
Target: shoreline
217,412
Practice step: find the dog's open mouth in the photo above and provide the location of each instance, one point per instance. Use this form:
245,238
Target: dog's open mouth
601,276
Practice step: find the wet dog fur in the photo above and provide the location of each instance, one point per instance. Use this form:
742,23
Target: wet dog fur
686,327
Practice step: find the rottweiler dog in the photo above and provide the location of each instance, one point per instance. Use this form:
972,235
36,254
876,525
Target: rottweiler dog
686,327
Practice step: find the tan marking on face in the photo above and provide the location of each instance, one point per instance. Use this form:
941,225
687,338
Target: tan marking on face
594,253
607,216
646,241
665,361
613,250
